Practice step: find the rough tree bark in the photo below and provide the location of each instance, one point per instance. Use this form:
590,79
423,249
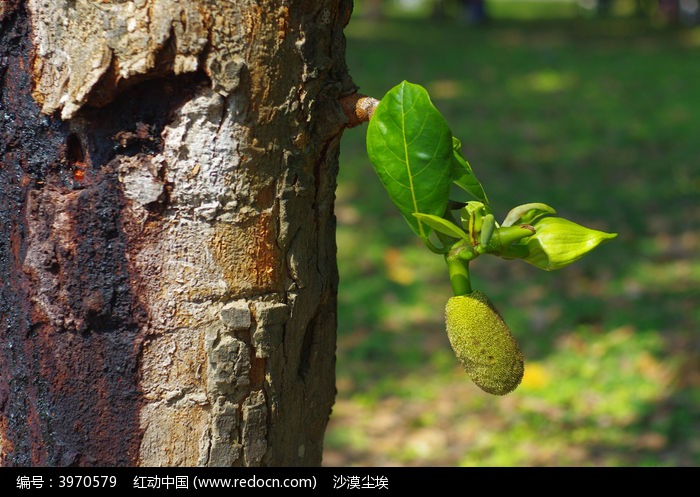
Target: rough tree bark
167,239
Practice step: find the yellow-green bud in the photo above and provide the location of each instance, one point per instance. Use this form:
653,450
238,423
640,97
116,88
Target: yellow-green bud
483,343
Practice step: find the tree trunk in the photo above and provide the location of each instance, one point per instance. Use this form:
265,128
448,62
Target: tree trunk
167,238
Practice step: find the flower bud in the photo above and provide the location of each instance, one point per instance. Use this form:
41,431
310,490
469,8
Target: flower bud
483,343
558,242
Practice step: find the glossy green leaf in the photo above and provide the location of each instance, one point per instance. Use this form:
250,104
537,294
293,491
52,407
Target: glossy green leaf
558,242
464,176
442,225
410,146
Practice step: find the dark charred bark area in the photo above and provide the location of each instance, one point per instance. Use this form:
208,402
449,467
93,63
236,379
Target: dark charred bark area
69,303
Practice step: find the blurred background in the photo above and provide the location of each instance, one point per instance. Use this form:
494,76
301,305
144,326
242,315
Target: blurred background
592,107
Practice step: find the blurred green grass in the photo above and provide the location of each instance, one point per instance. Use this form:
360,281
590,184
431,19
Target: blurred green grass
599,118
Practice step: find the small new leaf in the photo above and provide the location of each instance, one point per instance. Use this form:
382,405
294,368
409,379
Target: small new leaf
527,213
464,176
442,225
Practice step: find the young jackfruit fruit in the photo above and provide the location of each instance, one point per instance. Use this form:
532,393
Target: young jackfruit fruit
483,343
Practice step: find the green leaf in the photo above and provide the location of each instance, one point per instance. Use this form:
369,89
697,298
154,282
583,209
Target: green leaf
527,213
410,146
464,176
558,242
442,225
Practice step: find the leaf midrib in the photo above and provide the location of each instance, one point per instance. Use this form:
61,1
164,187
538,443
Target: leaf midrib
408,165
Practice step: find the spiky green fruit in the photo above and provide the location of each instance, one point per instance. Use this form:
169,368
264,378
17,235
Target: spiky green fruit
483,343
